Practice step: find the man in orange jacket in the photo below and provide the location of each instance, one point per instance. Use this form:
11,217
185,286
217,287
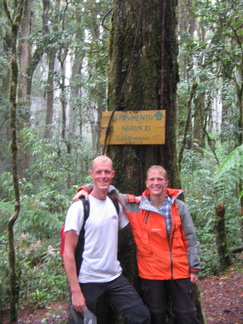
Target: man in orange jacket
167,247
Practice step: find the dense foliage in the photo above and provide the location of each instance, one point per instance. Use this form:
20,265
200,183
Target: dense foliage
52,165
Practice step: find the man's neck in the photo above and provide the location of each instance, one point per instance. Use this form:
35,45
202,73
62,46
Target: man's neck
99,194
157,200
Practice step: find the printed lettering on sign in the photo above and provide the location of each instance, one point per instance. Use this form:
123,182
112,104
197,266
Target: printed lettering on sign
134,128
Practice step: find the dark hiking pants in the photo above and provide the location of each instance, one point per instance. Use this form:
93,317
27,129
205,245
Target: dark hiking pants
121,295
156,294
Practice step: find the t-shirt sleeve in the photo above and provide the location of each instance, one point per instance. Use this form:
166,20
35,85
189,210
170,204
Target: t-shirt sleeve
123,220
75,217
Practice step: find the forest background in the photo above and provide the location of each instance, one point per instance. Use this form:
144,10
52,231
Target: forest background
63,58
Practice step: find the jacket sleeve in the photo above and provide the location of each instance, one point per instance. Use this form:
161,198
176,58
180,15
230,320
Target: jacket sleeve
130,203
190,235
87,187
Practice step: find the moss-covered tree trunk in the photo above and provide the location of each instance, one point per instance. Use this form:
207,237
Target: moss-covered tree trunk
222,246
14,23
142,75
24,56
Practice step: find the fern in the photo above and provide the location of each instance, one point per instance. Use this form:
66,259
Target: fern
231,169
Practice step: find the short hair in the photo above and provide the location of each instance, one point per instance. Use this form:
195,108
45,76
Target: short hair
158,168
102,159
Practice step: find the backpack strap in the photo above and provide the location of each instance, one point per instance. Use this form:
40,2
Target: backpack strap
86,208
80,246
116,203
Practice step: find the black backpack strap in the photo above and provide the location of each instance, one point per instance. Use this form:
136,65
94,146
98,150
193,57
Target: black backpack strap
86,208
116,203
80,246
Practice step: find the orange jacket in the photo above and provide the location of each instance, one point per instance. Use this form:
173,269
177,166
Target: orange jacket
159,256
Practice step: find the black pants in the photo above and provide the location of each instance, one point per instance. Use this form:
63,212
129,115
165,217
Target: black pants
119,293
156,294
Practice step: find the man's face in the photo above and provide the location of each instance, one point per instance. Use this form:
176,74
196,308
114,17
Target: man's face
102,173
156,182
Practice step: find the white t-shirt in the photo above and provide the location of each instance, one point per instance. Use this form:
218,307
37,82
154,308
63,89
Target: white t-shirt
100,262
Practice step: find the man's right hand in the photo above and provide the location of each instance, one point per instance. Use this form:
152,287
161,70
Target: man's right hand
78,302
79,194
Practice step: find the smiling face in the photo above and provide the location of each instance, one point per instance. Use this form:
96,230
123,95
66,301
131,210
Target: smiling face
102,173
156,180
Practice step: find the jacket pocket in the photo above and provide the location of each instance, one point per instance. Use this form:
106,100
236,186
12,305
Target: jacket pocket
142,243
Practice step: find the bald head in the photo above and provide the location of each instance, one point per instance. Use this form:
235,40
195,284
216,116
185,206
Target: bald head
102,173
102,159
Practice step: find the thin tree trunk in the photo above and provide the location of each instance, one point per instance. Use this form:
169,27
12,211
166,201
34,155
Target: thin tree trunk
223,251
24,53
50,94
50,80
15,23
188,121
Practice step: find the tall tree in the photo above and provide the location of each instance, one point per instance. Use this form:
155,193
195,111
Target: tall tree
14,70
5,49
49,89
143,75
23,89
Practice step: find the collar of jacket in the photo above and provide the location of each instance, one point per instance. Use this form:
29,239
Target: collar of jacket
146,204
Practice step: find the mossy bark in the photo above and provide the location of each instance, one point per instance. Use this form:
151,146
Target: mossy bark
142,75
14,72
222,246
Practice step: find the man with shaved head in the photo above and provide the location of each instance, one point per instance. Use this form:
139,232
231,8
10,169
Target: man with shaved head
100,273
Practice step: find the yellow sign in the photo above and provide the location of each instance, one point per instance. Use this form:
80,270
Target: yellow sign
134,128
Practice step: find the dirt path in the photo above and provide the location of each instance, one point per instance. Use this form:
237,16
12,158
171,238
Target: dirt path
222,300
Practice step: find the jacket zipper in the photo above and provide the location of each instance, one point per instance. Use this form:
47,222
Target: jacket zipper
170,242
147,217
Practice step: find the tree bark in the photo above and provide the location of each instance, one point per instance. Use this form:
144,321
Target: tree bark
24,57
142,75
50,79
14,73
188,122
24,61
49,89
222,246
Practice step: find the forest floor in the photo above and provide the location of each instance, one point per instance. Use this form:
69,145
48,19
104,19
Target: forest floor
222,301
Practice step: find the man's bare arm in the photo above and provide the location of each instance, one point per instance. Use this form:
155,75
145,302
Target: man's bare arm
78,300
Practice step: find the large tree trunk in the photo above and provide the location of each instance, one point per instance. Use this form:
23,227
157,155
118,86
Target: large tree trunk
142,75
14,73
